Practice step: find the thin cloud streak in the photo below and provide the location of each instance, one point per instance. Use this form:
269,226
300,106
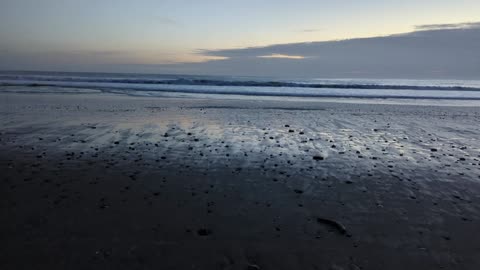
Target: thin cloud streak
284,56
313,30
448,26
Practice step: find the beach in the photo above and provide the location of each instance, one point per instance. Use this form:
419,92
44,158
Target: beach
108,181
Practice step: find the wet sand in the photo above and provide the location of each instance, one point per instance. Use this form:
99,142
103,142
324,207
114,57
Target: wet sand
99,181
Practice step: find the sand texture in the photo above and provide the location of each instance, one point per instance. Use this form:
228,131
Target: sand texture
97,181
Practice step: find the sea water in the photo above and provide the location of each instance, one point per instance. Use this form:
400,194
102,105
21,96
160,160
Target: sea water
159,85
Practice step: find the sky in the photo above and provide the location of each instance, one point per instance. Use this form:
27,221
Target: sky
182,36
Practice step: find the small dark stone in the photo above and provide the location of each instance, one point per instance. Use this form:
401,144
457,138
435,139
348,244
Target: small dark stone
204,232
318,158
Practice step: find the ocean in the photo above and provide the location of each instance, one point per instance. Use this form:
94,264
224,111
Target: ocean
160,85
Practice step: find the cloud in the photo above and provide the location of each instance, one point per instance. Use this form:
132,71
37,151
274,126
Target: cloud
448,26
284,56
62,60
446,51
311,30
106,53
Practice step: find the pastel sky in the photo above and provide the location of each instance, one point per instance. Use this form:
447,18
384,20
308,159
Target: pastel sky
91,34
